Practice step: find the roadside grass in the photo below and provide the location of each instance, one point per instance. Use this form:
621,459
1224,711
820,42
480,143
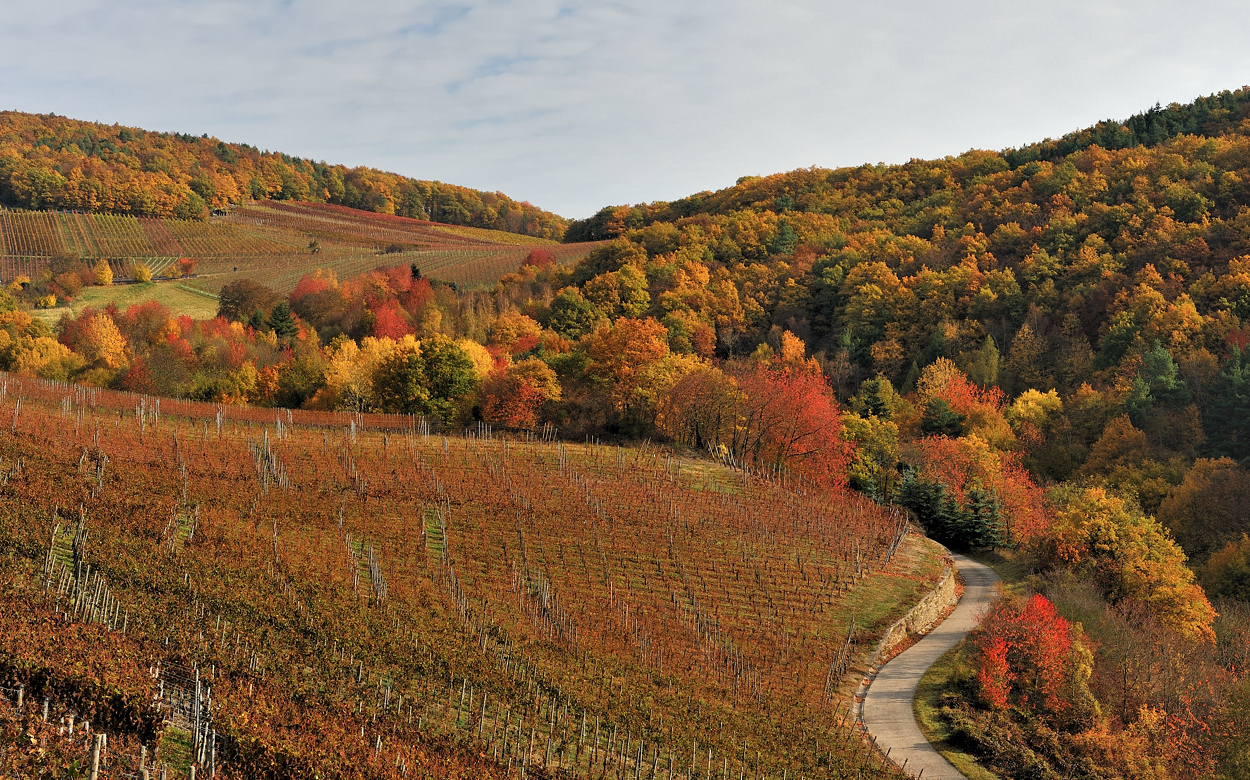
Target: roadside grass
888,594
172,294
951,671
1007,565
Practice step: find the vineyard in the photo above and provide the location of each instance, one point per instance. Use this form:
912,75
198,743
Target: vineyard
273,593
272,242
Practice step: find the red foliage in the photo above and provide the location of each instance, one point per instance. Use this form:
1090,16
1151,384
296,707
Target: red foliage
237,353
418,295
1026,654
310,284
525,344
995,675
511,401
138,378
70,330
391,322
183,350
793,421
216,328
1239,338
540,259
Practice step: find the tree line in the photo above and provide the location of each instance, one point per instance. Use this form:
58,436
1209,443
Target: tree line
52,162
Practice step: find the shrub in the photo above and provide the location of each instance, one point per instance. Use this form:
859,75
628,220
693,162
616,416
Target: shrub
102,273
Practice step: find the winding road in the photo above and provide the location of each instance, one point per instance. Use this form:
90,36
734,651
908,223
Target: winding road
888,713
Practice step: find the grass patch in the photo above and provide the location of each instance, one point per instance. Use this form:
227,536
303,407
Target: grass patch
951,670
498,236
175,749
174,296
887,595
1007,565
199,292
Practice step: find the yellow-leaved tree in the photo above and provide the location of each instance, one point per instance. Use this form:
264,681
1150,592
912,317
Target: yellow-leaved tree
1128,553
101,343
102,273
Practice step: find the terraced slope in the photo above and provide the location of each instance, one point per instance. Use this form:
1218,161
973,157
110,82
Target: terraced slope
362,596
273,242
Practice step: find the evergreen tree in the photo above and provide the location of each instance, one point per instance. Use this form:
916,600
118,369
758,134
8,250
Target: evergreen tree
941,420
1227,415
985,519
952,526
913,376
876,397
1163,376
1026,361
979,523
282,323
1076,357
937,346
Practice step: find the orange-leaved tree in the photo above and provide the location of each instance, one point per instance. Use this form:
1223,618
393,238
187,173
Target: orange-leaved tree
513,396
789,418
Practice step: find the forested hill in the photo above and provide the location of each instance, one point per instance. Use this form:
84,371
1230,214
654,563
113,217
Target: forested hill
51,162
910,199
1102,252
1124,271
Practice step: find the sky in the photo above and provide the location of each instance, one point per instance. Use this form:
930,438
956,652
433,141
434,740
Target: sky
577,105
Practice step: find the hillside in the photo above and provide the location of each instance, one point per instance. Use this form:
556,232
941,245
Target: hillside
274,242
1039,355
903,197
1124,268
52,162
362,596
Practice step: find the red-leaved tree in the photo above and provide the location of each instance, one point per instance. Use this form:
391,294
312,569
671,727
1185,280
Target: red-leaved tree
789,418
1031,657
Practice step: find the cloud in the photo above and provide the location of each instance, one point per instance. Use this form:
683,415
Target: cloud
576,105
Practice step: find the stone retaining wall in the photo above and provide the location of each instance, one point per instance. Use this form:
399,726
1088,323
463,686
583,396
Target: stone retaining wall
920,618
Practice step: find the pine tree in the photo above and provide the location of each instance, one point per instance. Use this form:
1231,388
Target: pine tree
281,321
1227,415
1075,359
1026,361
941,420
985,519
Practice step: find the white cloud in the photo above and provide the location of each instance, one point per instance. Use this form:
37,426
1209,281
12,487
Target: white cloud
575,105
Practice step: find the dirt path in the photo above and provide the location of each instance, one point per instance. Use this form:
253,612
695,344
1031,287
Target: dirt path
888,712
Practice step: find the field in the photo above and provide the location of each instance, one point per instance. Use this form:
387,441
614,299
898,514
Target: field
365,596
178,296
272,242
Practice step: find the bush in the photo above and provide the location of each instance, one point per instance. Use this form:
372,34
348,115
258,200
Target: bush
102,273
141,272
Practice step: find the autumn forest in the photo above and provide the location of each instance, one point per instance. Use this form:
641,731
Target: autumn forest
409,432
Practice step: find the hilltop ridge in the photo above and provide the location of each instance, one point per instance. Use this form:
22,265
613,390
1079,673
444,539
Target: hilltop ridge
52,162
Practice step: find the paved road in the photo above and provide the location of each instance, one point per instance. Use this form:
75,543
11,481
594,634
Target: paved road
888,710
